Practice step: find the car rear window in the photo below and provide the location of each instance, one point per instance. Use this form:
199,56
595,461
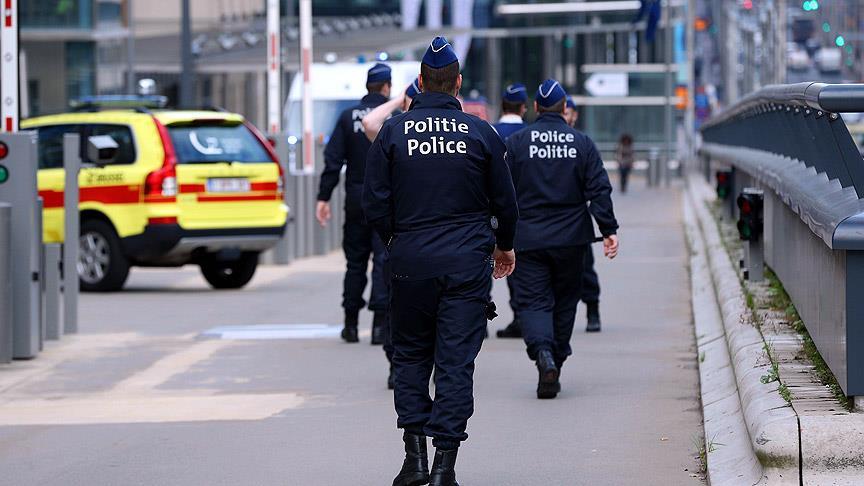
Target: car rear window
210,143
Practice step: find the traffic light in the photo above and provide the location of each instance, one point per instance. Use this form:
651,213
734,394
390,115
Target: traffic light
724,184
750,222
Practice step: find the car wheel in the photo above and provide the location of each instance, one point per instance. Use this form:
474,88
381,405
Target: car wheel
229,274
102,267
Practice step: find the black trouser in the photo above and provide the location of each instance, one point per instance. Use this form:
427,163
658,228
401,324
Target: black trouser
438,323
548,288
359,241
625,176
590,282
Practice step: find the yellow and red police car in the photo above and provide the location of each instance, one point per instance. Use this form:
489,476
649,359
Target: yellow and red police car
185,186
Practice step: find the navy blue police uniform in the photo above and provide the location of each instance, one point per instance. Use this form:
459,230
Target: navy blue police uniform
348,144
434,178
590,281
507,125
557,172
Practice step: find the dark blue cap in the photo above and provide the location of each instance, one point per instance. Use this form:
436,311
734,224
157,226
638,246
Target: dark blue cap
379,73
570,103
549,92
515,93
414,89
439,54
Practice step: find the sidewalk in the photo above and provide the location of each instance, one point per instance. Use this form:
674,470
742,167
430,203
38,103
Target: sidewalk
139,397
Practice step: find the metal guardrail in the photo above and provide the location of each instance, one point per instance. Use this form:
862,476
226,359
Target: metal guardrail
791,141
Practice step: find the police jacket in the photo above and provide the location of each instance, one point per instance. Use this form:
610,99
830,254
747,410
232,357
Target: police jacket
507,128
434,178
348,143
557,171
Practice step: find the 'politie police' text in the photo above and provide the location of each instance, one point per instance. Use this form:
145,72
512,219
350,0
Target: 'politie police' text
435,144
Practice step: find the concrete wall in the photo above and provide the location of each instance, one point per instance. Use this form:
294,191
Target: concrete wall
160,17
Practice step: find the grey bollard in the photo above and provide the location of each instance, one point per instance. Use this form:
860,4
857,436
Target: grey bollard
5,283
25,241
71,165
51,279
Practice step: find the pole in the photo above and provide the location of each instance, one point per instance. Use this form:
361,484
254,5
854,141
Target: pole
690,114
306,67
664,168
5,282
274,68
186,70
130,48
9,67
71,229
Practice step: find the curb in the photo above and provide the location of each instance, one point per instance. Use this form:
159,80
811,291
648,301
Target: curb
770,424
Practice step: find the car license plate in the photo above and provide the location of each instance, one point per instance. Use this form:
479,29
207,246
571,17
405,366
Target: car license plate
226,184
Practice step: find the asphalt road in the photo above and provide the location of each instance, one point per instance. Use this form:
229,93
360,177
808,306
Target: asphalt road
142,396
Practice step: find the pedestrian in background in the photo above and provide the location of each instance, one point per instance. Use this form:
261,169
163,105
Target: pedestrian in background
560,183
349,144
625,154
513,108
590,280
435,178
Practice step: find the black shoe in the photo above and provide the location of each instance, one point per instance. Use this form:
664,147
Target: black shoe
349,334
548,385
379,326
391,379
593,317
415,468
513,330
443,473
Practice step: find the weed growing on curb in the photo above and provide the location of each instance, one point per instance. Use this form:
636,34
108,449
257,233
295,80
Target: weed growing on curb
703,449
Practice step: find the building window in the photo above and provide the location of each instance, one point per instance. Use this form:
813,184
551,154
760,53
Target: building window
69,14
80,69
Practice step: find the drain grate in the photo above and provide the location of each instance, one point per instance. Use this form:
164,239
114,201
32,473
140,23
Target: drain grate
274,331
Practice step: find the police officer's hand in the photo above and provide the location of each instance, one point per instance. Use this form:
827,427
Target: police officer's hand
322,212
610,246
505,262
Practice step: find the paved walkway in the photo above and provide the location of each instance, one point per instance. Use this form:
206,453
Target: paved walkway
139,397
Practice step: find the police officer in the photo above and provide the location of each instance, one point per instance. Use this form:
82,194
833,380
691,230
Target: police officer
557,173
590,281
348,144
435,176
513,108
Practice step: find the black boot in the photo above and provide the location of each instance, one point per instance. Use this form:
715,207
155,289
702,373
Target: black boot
349,332
415,468
443,472
547,384
379,327
513,330
593,317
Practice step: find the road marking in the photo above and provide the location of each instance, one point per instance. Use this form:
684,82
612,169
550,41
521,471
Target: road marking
157,408
274,331
174,364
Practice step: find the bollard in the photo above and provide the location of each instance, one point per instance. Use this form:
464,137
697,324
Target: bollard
71,165
40,311
5,283
51,279
653,166
19,190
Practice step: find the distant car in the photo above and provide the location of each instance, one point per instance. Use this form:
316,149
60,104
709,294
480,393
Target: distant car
797,59
829,59
201,187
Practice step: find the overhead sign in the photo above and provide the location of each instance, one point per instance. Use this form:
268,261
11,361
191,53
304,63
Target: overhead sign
607,84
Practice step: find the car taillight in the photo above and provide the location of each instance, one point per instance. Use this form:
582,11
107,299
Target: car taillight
163,181
269,145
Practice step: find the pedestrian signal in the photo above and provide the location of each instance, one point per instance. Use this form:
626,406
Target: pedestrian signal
750,221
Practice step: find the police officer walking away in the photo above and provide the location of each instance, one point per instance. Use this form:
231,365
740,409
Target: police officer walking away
434,178
559,180
590,281
348,144
513,108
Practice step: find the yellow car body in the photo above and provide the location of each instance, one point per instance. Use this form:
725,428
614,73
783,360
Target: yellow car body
184,187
